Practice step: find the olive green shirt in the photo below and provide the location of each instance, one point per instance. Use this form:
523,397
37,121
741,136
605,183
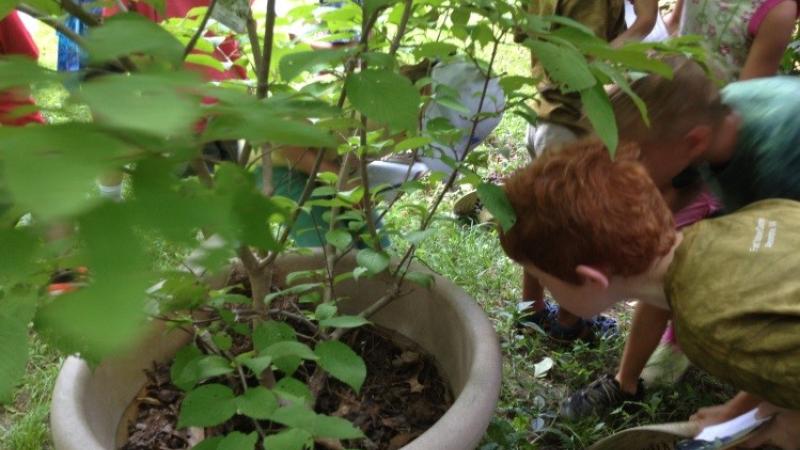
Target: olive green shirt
734,289
607,19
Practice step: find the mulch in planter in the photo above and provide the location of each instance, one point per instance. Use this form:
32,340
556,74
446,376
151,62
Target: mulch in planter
402,396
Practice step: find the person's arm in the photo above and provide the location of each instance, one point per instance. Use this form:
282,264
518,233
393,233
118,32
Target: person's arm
773,35
783,431
646,16
302,160
673,22
738,405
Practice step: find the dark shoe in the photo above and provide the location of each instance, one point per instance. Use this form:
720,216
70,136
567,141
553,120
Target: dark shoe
600,397
587,330
67,280
537,320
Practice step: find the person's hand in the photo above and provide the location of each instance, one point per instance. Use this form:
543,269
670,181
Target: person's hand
713,415
782,431
738,405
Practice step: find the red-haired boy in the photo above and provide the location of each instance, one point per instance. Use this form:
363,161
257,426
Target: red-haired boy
596,231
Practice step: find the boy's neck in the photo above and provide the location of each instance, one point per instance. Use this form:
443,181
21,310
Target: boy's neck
649,286
721,150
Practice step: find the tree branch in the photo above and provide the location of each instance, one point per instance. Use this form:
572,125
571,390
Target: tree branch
307,190
269,33
255,46
401,29
200,30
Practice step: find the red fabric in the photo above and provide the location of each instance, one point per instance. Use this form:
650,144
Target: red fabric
227,51
15,40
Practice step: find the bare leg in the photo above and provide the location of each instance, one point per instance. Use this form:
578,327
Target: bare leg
566,319
533,291
647,327
110,184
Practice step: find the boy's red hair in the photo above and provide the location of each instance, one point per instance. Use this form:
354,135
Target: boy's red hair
578,206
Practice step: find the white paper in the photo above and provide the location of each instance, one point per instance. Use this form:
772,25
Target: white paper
738,426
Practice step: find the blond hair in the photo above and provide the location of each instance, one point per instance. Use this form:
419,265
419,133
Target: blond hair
674,105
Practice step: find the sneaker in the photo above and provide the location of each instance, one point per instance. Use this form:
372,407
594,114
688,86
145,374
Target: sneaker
67,280
598,327
587,330
600,397
666,366
529,319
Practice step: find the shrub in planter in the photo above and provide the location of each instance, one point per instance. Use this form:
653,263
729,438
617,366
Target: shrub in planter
271,158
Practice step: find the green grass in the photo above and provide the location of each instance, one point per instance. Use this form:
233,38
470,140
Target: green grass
24,423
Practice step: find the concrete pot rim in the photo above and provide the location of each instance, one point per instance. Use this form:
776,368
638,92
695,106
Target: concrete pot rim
460,428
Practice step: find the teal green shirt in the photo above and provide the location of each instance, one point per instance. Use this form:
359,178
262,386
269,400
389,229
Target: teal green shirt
766,161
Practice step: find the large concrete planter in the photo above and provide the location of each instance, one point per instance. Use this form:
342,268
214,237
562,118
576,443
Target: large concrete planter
88,406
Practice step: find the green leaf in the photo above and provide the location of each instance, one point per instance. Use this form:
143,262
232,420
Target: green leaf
6,6
622,83
344,322
131,33
294,391
336,428
18,247
289,348
294,64
213,366
495,200
564,65
601,115
342,363
631,59
222,341
207,406
50,170
423,279
160,104
239,441
294,290
291,439
16,312
325,311
183,372
258,364
271,332
435,50
259,124
200,59
294,277
385,97
105,316
257,402
17,70
297,416
412,143
211,443
339,238
375,262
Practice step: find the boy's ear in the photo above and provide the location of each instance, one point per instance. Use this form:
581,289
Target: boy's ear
592,276
698,141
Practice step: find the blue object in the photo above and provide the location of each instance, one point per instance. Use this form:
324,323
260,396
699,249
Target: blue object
70,56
